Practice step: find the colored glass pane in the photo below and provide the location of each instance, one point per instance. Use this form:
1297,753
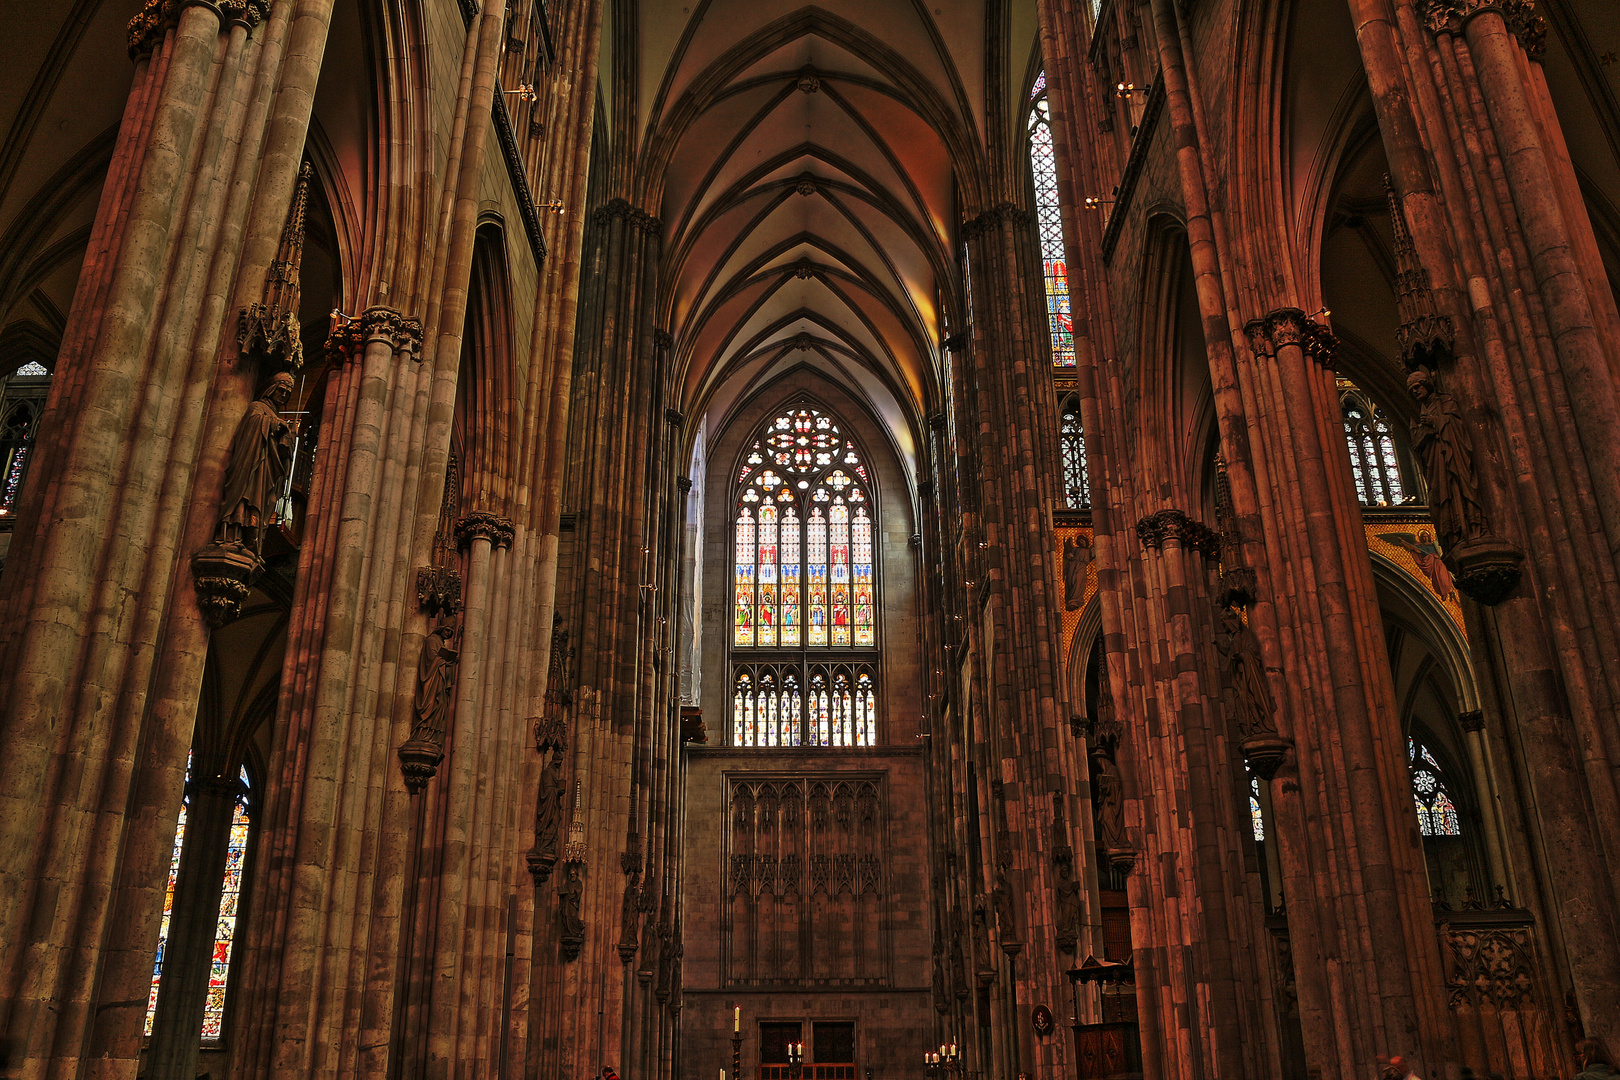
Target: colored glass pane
1043,169
1437,813
790,570
743,633
817,571
168,911
1072,447
1257,819
225,932
1373,462
765,609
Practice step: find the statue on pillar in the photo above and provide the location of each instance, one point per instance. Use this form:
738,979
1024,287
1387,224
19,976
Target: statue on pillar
570,897
1441,441
260,455
1076,557
420,755
1068,906
1248,695
548,810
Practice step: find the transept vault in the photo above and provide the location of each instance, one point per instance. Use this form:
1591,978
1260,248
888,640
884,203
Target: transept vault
986,539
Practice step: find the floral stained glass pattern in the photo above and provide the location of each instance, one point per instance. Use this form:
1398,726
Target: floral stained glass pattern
1255,816
1437,813
1054,267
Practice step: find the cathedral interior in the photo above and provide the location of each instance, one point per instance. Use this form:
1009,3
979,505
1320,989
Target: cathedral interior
862,540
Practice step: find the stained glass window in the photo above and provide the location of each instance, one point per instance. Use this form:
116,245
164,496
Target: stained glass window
20,408
1256,818
1072,448
1373,461
225,932
1437,813
805,578
225,923
1054,265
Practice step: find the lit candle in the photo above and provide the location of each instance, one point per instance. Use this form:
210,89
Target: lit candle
953,1049
736,1018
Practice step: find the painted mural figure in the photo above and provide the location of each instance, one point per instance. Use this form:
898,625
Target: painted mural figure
1427,556
1076,557
260,455
1440,439
1247,692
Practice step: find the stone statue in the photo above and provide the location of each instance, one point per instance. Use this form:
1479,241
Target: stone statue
1108,803
435,682
570,895
1076,557
548,811
260,455
1441,441
1002,903
1248,694
1068,906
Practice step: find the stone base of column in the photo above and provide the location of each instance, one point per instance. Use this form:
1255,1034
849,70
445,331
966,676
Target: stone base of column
1486,569
224,573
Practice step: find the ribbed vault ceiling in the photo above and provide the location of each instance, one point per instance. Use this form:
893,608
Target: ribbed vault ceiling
811,161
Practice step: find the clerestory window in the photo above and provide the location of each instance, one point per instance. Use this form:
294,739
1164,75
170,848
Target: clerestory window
1054,263
804,601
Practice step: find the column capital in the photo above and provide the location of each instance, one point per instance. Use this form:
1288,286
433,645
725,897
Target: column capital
481,524
1453,16
1286,327
402,332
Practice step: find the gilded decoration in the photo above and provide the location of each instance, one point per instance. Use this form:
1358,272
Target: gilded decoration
1081,537
1407,540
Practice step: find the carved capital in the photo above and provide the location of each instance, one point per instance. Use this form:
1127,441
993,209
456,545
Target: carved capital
1155,529
401,332
1291,327
1472,720
956,342
662,339
1453,16
249,13
483,525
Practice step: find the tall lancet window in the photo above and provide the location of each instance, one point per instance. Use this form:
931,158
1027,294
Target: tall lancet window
1054,265
804,607
1072,451
219,962
1373,460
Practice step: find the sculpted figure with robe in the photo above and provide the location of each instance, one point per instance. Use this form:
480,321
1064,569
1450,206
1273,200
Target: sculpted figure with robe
1247,693
435,682
260,455
1076,557
1440,440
